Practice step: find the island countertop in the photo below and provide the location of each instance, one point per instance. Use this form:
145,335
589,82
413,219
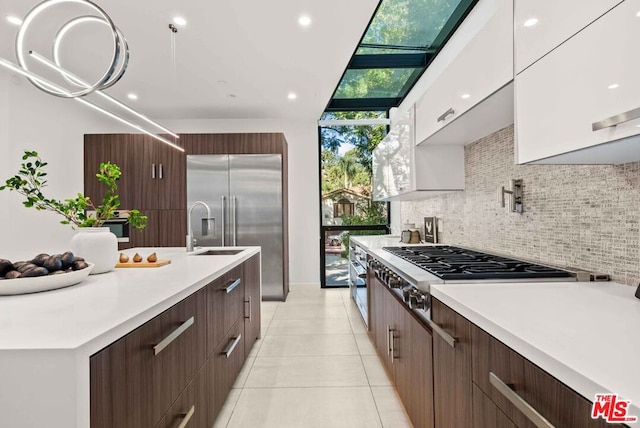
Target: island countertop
104,307
47,339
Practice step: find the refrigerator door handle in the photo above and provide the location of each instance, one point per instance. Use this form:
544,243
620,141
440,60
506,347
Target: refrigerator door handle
234,229
223,222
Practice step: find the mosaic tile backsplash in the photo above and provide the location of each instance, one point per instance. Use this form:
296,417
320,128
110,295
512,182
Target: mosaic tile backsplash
575,216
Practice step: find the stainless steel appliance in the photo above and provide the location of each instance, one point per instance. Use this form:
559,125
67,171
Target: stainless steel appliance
118,224
447,264
244,193
358,278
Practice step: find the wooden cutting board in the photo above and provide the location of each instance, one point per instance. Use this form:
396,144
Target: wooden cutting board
143,264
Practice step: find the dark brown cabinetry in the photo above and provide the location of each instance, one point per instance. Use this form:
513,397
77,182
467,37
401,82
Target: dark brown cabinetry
135,380
494,364
477,380
251,275
404,345
191,406
225,364
451,368
116,149
486,413
153,180
225,305
187,357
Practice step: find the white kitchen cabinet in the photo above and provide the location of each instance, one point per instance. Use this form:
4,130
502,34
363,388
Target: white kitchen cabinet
402,170
481,68
542,25
591,77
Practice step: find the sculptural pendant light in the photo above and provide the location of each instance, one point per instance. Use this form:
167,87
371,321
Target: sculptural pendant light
71,85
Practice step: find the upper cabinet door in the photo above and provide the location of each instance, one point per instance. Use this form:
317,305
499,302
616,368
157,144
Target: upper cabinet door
380,167
401,159
562,100
483,66
542,25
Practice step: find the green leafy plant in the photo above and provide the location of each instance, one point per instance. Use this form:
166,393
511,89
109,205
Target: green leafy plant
30,180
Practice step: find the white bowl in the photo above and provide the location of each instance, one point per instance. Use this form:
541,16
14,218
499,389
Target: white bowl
43,283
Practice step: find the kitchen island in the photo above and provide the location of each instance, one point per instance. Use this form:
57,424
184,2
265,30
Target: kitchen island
47,339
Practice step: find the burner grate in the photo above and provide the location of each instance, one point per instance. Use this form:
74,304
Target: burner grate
454,263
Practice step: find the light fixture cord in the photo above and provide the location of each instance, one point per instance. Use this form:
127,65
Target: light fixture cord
174,30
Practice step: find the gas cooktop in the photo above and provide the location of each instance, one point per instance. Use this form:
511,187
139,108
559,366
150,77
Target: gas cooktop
454,263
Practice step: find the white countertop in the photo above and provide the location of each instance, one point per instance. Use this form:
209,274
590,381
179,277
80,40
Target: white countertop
584,334
104,307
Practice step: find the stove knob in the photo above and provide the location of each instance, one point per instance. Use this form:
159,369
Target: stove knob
416,301
391,280
396,281
406,293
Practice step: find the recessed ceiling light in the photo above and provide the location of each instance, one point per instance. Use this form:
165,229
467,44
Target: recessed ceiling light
178,20
292,96
465,96
638,14
132,96
613,86
530,22
304,20
14,20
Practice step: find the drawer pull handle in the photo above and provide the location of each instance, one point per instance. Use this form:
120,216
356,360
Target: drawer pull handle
616,120
249,302
174,334
392,339
532,414
446,336
233,285
444,115
388,339
186,417
153,171
229,350
160,171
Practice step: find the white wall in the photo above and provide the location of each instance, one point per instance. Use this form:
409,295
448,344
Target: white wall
54,128
30,119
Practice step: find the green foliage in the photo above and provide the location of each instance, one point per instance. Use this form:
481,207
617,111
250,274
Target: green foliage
29,182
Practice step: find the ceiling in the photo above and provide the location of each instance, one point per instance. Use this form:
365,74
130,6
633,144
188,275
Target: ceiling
233,59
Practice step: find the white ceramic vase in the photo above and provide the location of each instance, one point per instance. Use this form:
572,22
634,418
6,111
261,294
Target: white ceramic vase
96,245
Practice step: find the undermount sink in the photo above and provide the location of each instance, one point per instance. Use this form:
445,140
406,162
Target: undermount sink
219,253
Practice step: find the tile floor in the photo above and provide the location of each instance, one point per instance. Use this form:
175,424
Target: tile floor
314,367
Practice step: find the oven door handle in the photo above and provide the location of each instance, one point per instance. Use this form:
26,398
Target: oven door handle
360,272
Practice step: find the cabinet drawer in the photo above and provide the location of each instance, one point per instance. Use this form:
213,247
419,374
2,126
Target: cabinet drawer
451,368
486,413
224,365
557,403
190,409
561,97
225,304
135,380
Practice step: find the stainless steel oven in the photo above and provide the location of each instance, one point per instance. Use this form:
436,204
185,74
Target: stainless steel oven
118,224
358,278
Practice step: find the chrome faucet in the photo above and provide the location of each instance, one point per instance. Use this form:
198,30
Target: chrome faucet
191,241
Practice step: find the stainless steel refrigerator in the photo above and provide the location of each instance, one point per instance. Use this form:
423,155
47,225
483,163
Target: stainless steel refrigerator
244,193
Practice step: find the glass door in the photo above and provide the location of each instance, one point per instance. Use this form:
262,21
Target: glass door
347,206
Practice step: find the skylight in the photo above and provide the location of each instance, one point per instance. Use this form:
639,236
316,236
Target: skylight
397,47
